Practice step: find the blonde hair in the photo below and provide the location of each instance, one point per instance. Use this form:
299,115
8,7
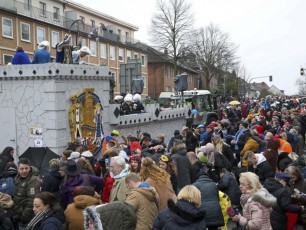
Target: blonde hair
161,136
252,180
152,171
284,136
192,157
190,194
218,143
54,163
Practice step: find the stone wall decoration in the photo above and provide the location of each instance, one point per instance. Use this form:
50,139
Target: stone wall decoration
85,119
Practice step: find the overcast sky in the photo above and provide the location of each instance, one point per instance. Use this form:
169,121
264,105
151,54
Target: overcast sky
271,34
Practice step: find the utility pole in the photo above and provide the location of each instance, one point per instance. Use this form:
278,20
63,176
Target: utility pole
249,84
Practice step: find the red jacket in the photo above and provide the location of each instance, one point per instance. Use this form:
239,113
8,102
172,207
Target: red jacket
107,189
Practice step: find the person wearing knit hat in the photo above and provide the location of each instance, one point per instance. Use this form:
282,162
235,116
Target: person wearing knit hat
135,163
135,148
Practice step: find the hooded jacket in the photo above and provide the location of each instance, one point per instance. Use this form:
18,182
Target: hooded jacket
74,211
263,168
271,153
180,215
278,216
52,182
145,201
256,210
250,145
183,164
229,185
26,189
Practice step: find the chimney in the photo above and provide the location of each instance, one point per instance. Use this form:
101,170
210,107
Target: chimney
166,51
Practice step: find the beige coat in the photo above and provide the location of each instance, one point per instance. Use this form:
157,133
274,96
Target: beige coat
164,191
119,190
145,201
256,210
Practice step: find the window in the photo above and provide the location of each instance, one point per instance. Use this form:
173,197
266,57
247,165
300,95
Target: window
7,27
55,38
93,48
143,60
144,81
26,5
127,34
84,43
103,50
7,59
42,9
55,13
128,54
25,31
93,23
112,53
119,32
40,35
82,18
135,55
120,55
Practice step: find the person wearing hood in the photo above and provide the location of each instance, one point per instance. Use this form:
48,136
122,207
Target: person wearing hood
48,213
262,167
257,204
20,57
144,198
84,196
79,54
183,165
184,214
126,107
42,55
277,187
27,185
52,180
137,105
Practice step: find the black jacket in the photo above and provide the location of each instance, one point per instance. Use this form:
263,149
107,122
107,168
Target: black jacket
52,181
264,170
229,185
182,163
180,215
210,201
278,216
4,159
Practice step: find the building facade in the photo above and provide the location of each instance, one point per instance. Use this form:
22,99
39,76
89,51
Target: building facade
111,41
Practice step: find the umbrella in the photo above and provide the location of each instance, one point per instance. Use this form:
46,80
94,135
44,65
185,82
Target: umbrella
234,103
39,158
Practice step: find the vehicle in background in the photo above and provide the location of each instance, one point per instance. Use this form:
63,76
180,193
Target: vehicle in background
204,106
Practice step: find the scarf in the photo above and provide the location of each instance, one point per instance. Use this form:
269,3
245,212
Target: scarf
237,136
40,217
123,173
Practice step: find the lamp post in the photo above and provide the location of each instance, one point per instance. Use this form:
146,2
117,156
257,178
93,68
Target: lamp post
249,84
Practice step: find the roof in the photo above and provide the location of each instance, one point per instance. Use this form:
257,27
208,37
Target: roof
259,86
155,56
100,14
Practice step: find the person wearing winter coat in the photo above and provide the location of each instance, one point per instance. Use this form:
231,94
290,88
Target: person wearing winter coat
48,213
5,157
210,201
42,54
250,145
271,153
144,198
239,139
183,165
73,178
297,180
84,196
6,204
277,187
52,180
261,166
20,57
27,185
159,179
229,185
256,202
184,214
223,148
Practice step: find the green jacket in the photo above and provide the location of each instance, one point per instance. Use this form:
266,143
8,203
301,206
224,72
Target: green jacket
26,189
119,191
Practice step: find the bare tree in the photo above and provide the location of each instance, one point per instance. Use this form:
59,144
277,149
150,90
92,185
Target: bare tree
170,27
301,83
214,51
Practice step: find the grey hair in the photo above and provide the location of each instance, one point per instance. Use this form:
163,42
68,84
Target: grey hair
119,160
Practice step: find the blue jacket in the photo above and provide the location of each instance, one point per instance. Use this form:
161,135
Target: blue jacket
41,56
20,58
54,222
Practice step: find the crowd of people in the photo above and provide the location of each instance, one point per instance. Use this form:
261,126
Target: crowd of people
246,171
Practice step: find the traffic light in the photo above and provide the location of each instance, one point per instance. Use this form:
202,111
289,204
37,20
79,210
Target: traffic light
302,71
270,78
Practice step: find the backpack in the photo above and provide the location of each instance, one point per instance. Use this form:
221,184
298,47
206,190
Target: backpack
7,185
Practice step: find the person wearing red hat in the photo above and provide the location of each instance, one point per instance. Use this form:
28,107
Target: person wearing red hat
135,163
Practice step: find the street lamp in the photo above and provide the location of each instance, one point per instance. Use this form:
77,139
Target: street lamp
77,24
